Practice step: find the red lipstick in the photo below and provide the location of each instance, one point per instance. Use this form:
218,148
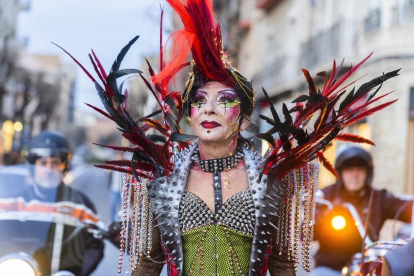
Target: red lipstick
207,124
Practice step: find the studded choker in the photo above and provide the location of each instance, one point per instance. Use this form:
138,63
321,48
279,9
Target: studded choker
217,165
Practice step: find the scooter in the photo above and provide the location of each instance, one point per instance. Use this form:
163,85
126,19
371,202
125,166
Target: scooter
342,223
23,264
39,238
371,261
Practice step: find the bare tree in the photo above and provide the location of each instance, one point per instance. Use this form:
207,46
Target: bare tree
7,67
48,96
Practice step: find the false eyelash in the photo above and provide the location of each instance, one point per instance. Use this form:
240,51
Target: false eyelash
226,99
199,98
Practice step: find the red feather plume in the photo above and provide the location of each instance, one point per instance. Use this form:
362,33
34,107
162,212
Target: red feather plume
325,162
346,137
296,145
201,37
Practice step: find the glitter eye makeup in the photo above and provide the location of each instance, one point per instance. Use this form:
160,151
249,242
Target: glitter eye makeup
200,99
227,99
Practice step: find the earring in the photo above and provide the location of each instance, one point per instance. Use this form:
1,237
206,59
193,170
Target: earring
189,120
234,131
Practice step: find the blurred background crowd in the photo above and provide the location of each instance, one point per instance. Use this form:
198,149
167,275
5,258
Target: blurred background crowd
269,41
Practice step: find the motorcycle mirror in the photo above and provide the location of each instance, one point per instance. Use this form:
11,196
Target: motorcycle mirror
63,273
114,233
320,194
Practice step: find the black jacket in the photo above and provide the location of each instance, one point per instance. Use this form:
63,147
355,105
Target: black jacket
338,247
84,252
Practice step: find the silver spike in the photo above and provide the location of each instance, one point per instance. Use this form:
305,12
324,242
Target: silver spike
273,206
274,226
158,216
159,224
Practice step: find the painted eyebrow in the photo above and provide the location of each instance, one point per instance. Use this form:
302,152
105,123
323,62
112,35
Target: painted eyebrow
227,90
200,91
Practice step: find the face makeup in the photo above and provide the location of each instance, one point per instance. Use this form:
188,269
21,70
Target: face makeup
215,111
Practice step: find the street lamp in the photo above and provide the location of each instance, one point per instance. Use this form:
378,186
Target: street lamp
18,126
8,132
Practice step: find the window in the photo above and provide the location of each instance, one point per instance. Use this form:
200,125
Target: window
373,20
403,12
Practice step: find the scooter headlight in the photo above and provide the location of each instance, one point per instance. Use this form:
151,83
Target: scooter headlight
16,267
338,222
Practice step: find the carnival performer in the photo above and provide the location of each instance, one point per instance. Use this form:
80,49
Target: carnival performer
214,206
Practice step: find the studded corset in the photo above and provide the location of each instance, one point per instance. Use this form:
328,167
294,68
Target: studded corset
217,244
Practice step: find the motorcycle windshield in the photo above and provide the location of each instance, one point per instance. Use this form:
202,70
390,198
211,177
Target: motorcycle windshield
43,218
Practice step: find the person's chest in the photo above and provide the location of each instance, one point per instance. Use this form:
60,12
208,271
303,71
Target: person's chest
201,184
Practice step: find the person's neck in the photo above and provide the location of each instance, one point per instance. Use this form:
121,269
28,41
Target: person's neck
216,150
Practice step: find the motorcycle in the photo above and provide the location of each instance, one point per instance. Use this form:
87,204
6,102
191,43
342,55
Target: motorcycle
45,231
342,223
372,260
346,223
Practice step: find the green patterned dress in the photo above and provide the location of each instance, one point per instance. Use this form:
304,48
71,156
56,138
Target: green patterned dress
217,244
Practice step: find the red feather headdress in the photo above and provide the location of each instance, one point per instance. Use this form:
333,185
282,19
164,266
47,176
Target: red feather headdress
201,36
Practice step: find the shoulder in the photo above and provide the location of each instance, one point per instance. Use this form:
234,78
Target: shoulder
331,189
80,198
384,194
161,187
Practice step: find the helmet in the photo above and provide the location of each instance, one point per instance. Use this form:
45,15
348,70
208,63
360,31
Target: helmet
48,144
355,156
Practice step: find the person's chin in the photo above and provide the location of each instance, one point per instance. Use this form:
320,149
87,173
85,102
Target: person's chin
211,137
49,185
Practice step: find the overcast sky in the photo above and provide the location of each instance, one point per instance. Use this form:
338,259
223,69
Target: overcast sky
102,25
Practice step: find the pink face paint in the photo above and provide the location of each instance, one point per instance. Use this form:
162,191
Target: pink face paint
232,114
192,111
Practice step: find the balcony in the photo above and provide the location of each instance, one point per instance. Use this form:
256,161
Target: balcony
321,48
270,76
267,5
337,42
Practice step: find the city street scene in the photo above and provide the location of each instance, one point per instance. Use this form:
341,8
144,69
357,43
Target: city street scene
206,137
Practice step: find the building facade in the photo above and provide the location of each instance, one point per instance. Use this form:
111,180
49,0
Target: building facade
9,45
284,36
